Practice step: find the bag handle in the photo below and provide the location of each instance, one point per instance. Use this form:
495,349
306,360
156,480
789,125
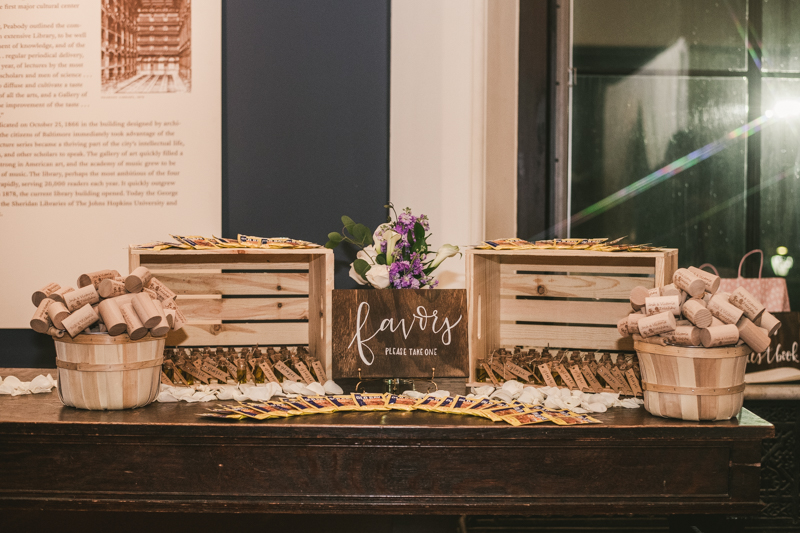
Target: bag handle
745,257
709,265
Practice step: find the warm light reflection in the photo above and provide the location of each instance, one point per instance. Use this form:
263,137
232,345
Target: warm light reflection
784,109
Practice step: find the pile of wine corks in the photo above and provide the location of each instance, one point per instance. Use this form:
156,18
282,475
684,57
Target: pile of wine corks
106,302
692,311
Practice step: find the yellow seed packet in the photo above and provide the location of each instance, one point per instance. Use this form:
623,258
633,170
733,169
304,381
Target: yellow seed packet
370,402
400,403
344,402
565,417
524,419
321,403
444,405
300,406
496,414
428,403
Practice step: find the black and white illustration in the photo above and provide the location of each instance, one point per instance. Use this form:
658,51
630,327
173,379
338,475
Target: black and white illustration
146,46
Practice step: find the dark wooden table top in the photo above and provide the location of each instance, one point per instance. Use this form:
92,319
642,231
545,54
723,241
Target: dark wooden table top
38,411
371,462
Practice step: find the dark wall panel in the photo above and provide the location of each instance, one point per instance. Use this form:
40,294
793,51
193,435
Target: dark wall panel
305,128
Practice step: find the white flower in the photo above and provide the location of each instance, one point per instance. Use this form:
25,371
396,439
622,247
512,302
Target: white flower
368,254
391,237
445,251
356,276
378,237
378,276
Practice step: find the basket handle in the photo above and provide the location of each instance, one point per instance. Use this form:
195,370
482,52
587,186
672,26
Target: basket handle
739,275
709,265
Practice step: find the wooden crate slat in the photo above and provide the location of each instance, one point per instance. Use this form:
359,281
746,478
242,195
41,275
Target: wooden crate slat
605,287
288,333
207,309
579,337
251,283
561,311
508,268
158,268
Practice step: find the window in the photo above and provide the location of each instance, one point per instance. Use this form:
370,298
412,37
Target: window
685,125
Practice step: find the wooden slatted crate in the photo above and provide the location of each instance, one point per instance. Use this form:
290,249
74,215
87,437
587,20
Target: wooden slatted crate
564,298
243,297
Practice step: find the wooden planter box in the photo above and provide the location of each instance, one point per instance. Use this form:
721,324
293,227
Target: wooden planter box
243,297
565,298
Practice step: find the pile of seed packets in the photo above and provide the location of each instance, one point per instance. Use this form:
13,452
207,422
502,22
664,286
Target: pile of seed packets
198,242
593,245
514,412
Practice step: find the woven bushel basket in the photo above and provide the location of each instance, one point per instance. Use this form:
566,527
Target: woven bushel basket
692,383
101,372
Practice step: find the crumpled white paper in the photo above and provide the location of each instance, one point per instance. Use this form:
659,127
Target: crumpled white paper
38,385
242,392
556,398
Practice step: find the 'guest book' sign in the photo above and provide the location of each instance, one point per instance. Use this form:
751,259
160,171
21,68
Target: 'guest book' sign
399,333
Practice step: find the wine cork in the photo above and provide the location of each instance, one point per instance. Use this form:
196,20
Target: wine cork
633,322
136,329
683,323
748,303
697,313
146,311
162,291
686,281
707,297
138,279
650,340
622,327
720,336
720,308
655,292
180,320
163,327
710,280
44,292
669,290
58,296
53,332
81,318
770,323
755,337
76,299
638,296
40,322
150,292
94,278
57,312
110,288
170,314
658,304
716,322
112,317
683,336
655,324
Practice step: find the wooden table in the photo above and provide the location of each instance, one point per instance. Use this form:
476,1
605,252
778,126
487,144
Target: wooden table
163,457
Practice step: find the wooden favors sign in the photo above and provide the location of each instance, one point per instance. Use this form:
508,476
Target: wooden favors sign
402,333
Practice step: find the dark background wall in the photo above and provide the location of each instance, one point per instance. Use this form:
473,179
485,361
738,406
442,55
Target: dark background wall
305,97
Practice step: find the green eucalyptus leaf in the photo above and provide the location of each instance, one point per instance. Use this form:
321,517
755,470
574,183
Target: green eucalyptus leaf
348,223
380,259
362,234
334,239
361,267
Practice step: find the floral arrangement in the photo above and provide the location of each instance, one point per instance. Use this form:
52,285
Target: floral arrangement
396,254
